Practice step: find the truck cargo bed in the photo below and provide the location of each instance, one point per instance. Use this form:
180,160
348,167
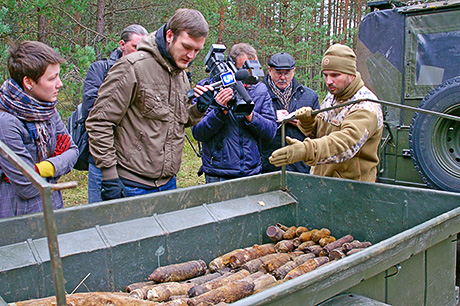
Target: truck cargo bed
412,261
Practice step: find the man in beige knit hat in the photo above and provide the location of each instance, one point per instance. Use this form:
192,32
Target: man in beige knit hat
342,142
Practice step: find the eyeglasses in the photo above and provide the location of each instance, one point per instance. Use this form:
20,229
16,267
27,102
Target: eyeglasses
280,73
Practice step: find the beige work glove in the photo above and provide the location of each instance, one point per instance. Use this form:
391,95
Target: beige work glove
290,154
304,116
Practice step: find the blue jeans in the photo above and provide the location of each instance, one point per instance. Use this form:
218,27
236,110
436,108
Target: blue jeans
94,184
213,179
135,191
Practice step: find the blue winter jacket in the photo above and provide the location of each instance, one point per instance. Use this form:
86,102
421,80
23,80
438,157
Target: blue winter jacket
97,72
302,96
230,144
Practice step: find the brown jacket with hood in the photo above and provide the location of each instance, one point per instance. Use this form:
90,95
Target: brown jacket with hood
137,125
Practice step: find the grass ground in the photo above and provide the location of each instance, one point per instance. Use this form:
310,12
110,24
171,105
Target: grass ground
186,177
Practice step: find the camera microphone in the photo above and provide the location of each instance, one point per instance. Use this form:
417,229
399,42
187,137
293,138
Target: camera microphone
240,75
243,92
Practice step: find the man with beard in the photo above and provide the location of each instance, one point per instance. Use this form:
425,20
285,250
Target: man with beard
137,126
342,142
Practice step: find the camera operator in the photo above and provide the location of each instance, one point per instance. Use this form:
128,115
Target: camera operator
230,142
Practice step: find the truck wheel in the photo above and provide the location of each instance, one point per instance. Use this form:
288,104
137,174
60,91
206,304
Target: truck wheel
434,141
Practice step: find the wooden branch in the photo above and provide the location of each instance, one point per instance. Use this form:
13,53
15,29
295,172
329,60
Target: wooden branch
79,23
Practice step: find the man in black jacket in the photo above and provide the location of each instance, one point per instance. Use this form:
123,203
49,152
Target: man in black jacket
97,72
287,96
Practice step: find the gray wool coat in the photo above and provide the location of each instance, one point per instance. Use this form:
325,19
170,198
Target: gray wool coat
20,196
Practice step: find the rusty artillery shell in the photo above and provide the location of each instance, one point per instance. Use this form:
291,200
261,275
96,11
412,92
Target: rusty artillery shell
285,246
159,295
254,265
223,281
300,230
275,233
355,245
252,277
245,255
281,272
135,286
306,236
220,262
303,258
228,294
275,263
290,233
315,249
160,291
326,240
281,226
197,290
337,244
138,294
353,251
316,236
204,278
263,282
141,293
302,247
306,267
178,272
336,254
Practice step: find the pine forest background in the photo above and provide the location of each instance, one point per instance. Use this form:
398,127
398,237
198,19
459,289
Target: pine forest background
86,30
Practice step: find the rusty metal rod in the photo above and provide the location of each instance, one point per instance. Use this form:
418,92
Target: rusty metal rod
386,103
46,190
283,168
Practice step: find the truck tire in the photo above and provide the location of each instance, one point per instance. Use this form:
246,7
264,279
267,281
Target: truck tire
434,141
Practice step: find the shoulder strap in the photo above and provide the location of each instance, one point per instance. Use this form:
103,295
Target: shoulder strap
106,68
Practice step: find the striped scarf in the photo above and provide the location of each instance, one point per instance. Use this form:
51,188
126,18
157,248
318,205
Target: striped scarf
29,110
283,95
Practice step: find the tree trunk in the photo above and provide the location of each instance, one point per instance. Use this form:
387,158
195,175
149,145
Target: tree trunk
220,38
100,24
41,26
345,22
78,29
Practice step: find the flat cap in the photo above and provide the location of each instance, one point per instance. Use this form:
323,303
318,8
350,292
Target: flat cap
282,61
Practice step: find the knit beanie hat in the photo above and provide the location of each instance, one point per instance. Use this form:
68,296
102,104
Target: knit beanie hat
339,58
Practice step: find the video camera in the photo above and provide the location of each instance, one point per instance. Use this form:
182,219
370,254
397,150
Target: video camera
255,70
223,73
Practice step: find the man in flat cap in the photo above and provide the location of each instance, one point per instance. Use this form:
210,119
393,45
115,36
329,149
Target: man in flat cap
342,142
287,96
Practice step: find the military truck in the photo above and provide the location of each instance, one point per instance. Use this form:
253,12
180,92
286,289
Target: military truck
411,55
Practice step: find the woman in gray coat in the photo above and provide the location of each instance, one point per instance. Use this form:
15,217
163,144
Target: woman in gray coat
32,128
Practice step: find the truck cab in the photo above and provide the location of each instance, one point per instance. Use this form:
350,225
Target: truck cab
410,55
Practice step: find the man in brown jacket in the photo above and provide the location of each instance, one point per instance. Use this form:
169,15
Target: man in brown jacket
137,125
342,142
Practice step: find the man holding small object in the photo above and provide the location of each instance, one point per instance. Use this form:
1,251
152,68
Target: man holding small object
341,142
287,95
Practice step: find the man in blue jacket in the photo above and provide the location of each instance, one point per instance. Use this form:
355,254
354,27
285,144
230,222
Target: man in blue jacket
287,96
95,76
230,143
